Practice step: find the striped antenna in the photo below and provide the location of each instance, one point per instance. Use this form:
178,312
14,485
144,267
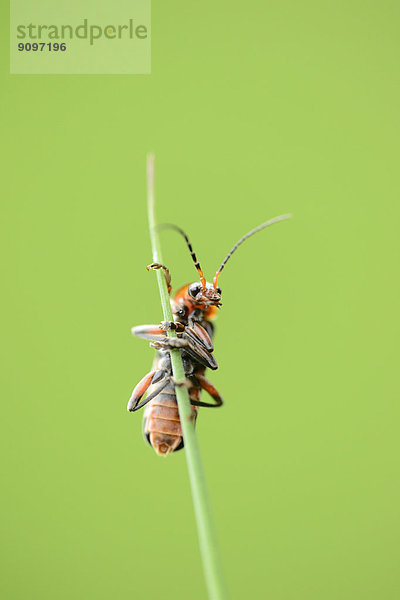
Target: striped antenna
236,246
189,245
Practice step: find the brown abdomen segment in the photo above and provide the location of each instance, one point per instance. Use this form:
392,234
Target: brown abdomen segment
161,423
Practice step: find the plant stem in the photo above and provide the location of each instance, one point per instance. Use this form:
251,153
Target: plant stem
202,507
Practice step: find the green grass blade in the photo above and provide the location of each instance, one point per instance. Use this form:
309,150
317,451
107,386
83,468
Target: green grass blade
202,508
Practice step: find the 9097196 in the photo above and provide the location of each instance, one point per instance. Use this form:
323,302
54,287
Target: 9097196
42,46
194,308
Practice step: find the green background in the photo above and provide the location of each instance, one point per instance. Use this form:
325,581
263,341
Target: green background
252,110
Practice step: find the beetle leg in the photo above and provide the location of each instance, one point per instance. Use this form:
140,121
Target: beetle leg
149,332
167,274
142,387
170,344
158,335
185,383
210,389
195,342
150,396
195,333
172,326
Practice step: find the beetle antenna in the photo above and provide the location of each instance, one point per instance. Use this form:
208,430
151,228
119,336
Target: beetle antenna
242,239
189,245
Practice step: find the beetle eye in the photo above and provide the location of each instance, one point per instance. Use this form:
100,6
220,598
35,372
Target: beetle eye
194,290
218,290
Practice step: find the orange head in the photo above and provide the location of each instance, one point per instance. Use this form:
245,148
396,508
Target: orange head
193,296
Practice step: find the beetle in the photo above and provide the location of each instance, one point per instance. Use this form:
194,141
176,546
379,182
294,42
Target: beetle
194,308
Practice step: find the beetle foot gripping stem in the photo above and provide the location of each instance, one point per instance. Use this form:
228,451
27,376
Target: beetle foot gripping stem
185,383
169,344
172,326
167,274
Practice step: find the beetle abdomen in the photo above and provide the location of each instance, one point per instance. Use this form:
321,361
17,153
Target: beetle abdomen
161,424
